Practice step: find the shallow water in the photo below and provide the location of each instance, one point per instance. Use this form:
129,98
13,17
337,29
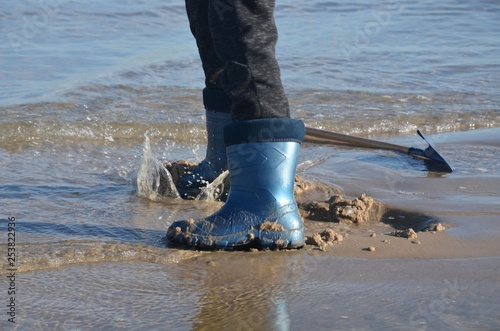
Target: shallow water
244,291
81,87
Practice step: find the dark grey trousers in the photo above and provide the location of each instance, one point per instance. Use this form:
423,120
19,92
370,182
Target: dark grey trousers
236,40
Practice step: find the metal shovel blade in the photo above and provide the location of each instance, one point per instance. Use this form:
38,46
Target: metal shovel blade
439,162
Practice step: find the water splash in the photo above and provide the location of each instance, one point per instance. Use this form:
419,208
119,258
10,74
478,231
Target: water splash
153,179
215,189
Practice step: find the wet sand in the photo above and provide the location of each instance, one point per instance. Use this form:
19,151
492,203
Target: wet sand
369,276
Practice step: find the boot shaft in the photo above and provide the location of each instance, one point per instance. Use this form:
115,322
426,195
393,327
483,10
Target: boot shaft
262,158
218,115
262,171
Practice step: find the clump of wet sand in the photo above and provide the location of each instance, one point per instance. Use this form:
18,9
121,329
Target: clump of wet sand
364,209
407,233
324,239
271,226
411,234
437,227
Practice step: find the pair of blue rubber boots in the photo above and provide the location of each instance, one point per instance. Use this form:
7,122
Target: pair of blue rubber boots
260,210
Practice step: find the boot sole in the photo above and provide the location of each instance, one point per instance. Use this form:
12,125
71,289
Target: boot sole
256,239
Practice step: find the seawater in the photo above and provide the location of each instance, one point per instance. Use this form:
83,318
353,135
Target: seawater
83,84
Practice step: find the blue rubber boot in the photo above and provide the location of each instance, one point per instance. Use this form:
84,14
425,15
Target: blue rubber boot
260,210
217,108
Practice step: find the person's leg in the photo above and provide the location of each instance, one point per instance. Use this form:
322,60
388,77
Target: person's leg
262,145
217,112
215,100
197,13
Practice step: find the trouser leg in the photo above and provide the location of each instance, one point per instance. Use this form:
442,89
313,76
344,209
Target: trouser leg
244,35
197,12
217,105
236,41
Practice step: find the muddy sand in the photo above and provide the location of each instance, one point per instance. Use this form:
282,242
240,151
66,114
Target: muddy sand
361,226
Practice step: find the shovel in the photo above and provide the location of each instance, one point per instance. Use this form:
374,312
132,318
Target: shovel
434,160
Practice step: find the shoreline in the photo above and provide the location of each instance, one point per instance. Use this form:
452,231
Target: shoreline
465,202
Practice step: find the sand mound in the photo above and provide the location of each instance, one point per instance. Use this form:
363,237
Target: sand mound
338,209
324,239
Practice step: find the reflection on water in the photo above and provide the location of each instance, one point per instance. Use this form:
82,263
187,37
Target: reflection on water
247,293
263,291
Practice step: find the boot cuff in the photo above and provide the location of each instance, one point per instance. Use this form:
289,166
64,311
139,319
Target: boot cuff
216,100
264,130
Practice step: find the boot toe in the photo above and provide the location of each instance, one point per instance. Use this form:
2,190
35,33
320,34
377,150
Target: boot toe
211,232
238,229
